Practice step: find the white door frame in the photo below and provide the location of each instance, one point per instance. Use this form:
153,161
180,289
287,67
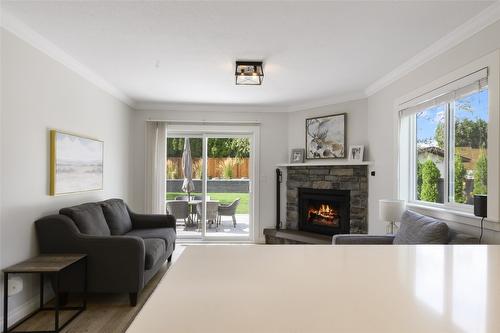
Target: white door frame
224,131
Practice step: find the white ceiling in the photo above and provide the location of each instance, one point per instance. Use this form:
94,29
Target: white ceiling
184,52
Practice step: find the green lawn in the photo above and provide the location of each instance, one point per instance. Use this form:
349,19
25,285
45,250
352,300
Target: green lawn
224,198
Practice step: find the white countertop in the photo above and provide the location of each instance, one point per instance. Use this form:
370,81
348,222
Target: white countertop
323,288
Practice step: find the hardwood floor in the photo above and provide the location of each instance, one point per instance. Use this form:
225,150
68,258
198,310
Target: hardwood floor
106,313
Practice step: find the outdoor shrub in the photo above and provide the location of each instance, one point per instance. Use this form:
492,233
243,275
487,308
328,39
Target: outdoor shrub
481,175
460,173
430,182
172,170
217,147
197,169
419,179
226,168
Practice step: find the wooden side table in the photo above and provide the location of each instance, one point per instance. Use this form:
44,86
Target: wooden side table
51,264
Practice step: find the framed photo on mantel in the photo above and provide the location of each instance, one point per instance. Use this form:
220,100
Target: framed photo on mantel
325,137
356,153
297,156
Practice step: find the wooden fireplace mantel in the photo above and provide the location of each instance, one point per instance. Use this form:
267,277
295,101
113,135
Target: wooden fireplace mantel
290,236
325,163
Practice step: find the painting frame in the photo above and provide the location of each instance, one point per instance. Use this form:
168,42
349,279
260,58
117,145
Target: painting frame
55,177
308,121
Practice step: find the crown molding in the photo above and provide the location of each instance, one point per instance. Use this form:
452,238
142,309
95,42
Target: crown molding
165,106
486,17
12,24
192,107
355,96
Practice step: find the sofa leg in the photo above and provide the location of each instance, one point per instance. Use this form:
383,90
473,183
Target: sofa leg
169,258
133,299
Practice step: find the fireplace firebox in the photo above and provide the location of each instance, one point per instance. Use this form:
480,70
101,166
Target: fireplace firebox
324,211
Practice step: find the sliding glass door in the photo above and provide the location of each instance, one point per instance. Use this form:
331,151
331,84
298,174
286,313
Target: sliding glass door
228,186
209,185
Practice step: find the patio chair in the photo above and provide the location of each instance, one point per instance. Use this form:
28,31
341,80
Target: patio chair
212,212
179,209
229,210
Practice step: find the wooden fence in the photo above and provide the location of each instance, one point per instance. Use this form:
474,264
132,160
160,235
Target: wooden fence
238,166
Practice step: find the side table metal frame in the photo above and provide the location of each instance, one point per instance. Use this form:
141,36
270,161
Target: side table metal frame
57,308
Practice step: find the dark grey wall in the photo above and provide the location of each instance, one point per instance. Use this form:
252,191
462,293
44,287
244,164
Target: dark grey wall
214,186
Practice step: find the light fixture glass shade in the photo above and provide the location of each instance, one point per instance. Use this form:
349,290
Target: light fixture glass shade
249,73
391,210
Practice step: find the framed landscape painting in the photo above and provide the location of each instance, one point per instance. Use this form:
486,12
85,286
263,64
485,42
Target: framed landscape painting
76,163
325,137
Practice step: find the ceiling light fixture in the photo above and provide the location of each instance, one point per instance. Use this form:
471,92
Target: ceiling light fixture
249,73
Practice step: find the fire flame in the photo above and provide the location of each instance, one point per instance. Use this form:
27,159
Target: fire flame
324,211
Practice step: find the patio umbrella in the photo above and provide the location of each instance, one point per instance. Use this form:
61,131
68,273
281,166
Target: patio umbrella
187,169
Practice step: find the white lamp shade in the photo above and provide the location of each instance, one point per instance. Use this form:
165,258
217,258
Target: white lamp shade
391,210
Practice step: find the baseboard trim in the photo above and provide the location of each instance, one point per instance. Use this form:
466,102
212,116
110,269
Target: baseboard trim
26,308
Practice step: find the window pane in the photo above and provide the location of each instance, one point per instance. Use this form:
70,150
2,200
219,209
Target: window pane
468,160
430,139
185,214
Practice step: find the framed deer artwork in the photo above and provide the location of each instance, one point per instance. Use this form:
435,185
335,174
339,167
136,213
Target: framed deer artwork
325,137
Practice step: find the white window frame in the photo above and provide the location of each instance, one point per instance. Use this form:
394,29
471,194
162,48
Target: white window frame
449,142
404,163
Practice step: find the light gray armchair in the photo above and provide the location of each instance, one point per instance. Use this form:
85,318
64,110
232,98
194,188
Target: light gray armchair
212,215
229,210
179,209
415,229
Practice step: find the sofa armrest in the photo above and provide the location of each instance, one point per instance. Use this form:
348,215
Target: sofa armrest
114,263
145,221
460,238
362,239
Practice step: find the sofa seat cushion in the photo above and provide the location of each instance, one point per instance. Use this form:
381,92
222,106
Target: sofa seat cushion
420,229
155,250
89,219
116,214
166,234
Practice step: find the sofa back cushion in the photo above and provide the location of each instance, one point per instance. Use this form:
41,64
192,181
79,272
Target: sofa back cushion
420,229
116,214
89,219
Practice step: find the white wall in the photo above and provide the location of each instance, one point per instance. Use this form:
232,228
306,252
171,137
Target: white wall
273,150
39,94
382,125
356,125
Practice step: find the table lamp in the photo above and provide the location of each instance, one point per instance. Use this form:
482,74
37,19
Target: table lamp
391,211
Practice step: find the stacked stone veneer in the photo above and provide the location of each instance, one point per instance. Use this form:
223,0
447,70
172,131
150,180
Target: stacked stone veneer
353,178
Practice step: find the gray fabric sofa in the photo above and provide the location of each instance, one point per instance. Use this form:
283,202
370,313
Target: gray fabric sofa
415,229
125,250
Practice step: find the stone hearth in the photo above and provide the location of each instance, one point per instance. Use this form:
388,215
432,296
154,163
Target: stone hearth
353,178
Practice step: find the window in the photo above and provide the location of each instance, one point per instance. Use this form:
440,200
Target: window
444,141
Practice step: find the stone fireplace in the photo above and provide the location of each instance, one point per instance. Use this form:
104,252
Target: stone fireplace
334,198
